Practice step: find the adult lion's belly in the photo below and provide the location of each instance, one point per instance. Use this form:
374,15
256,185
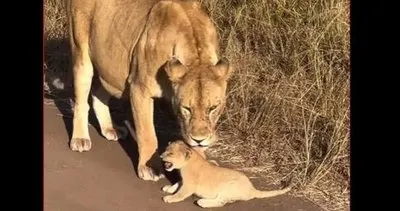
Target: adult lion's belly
113,73
111,60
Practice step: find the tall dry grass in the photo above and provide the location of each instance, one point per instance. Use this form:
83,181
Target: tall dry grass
288,103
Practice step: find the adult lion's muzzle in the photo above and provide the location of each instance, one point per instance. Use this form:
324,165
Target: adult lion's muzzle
201,141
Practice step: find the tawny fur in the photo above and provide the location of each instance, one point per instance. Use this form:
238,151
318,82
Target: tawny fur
140,50
215,185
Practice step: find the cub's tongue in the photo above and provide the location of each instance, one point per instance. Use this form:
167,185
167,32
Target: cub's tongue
167,165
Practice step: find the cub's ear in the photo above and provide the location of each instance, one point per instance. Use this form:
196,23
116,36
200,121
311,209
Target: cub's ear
175,70
188,153
223,69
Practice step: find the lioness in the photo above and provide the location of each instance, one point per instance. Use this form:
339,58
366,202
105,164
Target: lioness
141,50
215,185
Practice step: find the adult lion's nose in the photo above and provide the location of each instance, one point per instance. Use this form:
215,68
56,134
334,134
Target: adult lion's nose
198,139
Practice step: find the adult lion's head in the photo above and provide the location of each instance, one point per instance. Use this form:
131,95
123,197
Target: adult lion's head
199,98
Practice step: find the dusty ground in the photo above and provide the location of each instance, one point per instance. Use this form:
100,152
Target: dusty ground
105,179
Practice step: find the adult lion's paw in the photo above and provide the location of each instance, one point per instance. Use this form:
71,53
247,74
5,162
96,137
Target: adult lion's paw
147,173
115,133
80,144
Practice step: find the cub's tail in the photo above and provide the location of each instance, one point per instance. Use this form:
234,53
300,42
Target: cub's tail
266,194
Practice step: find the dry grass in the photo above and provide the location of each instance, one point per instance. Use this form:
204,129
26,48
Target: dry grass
288,105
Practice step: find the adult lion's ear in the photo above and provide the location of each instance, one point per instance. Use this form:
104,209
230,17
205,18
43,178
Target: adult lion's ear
175,70
223,69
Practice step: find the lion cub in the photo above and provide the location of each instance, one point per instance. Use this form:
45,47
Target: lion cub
215,185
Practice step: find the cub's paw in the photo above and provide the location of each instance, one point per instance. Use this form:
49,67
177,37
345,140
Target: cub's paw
170,188
209,203
169,199
166,188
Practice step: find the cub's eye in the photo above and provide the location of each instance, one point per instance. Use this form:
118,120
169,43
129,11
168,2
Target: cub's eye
212,108
186,110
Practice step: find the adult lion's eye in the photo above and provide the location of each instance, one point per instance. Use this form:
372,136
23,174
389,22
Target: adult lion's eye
186,110
212,108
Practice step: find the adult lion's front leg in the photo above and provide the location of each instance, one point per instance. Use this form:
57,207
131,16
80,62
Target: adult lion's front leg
142,109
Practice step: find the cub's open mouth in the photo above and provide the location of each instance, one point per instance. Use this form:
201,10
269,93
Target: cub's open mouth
167,165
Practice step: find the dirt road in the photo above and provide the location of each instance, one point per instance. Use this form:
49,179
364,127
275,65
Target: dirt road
104,179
